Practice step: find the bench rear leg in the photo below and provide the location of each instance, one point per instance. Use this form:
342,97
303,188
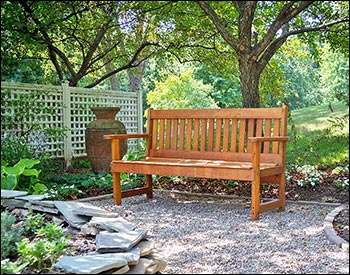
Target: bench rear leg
255,198
149,185
117,190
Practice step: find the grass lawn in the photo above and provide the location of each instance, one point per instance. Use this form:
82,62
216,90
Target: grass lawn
316,140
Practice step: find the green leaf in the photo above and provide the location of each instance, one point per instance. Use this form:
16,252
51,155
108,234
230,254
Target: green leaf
9,182
28,163
31,172
39,188
15,170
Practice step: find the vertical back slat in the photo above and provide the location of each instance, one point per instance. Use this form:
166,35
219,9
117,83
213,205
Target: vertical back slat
226,135
267,134
234,135
161,135
259,127
168,133
196,134
251,125
182,134
242,130
210,134
188,134
276,132
154,133
218,135
203,134
175,134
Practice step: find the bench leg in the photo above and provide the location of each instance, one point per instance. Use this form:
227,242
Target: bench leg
149,185
255,198
282,191
117,190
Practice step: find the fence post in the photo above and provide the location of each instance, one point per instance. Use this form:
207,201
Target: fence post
139,112
67,144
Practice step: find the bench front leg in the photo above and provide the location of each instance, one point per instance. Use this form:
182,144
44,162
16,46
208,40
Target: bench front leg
256,181
117,190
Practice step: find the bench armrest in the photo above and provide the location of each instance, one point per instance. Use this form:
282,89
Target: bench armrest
123,136
263,139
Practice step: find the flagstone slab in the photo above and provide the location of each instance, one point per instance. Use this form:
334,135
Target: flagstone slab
141,267
158,263
91,264
66,208
44,203
146,247
112,224
107,242
121,270
33,197
13,203
132,256
10,194
92,211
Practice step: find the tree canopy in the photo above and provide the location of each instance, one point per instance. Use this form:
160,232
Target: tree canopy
89,42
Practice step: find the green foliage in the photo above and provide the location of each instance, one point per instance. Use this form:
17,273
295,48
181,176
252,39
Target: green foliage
335,75
180,91
301,81
310,176
226,91
12,177
10,236
48,245
8,267
77,185
33,222
13,150
315,140
28,110
38,243
131,180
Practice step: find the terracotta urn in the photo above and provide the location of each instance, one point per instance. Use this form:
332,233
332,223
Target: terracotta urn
98,149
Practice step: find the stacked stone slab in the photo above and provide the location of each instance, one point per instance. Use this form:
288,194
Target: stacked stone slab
121,248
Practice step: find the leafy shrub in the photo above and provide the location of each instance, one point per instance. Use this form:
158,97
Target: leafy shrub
8,267
38,244
13,150
310,176
48,245
33,222
11,177
10,235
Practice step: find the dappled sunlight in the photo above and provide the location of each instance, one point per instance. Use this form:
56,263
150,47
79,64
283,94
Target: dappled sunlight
197,235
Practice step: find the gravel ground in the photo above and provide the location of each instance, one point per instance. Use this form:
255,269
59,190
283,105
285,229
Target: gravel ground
204,235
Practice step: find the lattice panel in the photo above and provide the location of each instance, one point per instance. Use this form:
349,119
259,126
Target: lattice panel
57,99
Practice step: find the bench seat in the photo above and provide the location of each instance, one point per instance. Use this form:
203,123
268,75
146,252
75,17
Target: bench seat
197,168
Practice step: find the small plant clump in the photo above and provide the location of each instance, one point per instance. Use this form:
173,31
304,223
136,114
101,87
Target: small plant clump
35,246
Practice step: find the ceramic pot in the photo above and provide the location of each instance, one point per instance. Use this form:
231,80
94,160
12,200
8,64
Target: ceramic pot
98,149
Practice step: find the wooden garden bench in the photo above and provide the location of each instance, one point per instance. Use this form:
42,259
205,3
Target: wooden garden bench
245,144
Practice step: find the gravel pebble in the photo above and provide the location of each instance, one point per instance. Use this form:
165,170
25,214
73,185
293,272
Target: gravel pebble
199,235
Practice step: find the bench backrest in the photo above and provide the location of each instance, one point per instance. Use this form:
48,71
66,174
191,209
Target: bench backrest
215,133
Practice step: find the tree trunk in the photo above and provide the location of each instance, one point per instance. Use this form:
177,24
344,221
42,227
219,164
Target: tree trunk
249,80
135,77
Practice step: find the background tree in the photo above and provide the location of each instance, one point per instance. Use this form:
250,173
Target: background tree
180,90
256,30
87,42
335,75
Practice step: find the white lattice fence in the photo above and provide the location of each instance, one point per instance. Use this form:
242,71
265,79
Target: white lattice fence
70,108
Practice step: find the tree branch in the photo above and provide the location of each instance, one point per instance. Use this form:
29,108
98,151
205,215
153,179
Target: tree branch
219,25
